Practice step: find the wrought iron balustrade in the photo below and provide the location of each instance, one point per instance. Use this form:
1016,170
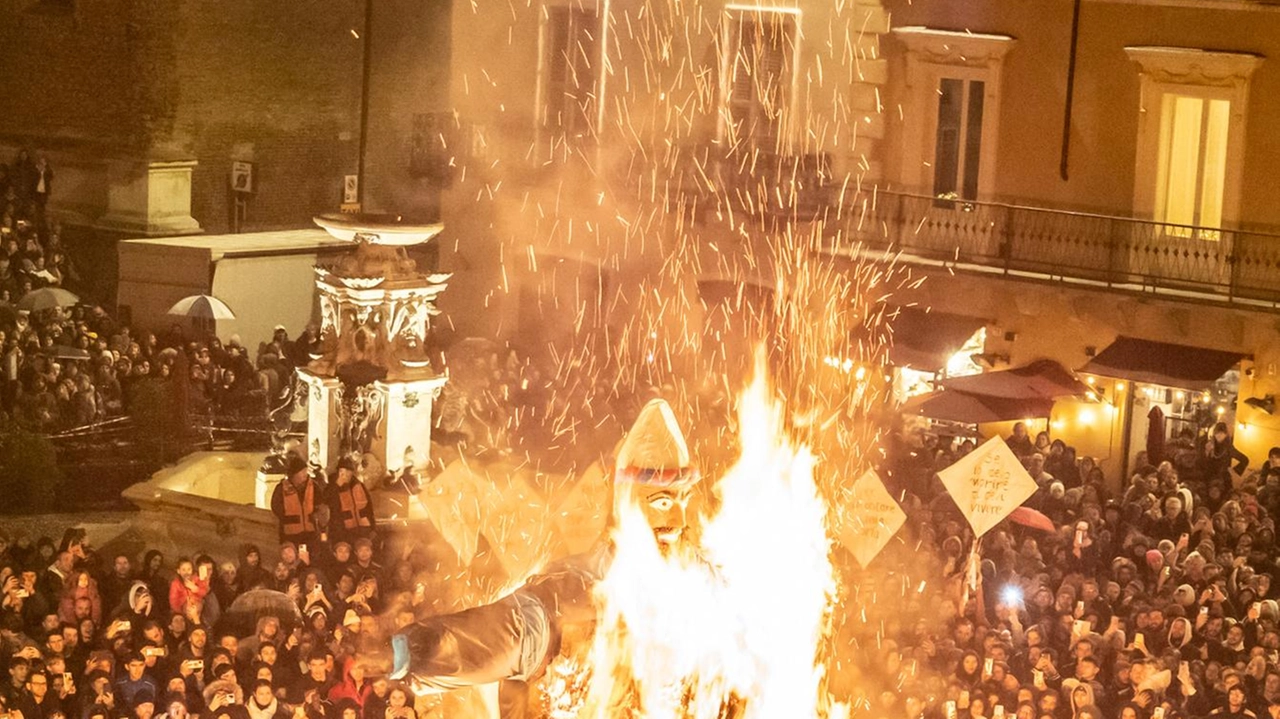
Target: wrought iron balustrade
1238,265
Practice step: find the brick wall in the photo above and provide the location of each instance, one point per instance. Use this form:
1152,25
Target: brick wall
277,84
274,83
67,75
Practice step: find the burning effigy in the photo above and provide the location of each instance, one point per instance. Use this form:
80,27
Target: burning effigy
665,619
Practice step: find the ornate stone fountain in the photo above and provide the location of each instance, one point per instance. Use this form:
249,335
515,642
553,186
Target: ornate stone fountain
370,385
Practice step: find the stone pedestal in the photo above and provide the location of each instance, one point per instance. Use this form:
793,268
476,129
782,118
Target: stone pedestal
149,198
263,486
406,438
322,417
370,383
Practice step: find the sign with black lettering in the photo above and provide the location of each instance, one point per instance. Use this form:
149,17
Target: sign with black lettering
987,484
871,518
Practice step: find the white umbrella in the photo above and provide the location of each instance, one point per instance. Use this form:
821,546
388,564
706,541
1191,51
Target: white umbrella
202,306
46,299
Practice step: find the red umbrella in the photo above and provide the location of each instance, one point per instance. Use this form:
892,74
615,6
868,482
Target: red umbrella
1029,517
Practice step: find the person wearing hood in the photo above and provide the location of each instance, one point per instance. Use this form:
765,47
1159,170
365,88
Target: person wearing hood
138,606
1180,636
1079,696
351,685
968,672
251,574
263,703
224,700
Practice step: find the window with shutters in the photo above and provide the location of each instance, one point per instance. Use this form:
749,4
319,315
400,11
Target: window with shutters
957,156
568,100
951,117
759,69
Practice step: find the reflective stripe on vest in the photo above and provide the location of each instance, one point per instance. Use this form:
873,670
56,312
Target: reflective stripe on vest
299,513
353,505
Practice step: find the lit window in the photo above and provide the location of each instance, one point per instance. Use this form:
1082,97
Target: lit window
1191,133
1192,165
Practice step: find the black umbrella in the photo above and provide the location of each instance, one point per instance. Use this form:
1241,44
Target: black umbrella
255,604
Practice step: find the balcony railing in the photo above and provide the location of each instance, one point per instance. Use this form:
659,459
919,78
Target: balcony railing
1235,265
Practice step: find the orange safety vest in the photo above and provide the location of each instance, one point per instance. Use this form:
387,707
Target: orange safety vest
353,504
299,513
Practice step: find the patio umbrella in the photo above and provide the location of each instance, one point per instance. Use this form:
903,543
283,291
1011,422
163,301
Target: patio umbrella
47,298
1042,379
969,408
255,604
202,307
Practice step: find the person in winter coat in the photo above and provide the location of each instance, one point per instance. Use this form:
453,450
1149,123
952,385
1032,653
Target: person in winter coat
81,588
188,590
1221,457
350,505
263,704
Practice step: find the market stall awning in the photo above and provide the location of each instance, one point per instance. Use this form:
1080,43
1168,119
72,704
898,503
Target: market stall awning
1163,363
1042,379
925,340
967,408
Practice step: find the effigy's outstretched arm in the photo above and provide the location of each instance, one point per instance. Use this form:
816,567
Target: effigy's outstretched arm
512,638
502,640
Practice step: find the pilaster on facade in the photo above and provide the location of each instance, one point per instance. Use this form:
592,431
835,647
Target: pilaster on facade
867,90
150,198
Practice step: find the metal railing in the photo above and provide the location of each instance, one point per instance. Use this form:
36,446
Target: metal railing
1231,264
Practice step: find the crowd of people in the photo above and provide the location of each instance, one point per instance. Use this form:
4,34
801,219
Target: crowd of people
1156,601
88,635
74,367
67,367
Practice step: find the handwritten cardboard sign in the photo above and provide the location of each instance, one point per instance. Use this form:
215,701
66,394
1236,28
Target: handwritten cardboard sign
871,519
988,484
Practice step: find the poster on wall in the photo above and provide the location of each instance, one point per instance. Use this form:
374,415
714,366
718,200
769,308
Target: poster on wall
350,189
241,176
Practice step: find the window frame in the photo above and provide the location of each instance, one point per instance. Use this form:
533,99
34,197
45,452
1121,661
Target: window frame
544,127
1191,72
731,19
932,56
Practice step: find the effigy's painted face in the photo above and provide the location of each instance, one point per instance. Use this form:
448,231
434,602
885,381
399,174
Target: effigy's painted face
665,508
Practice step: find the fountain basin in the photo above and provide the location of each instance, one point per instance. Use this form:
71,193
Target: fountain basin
383,229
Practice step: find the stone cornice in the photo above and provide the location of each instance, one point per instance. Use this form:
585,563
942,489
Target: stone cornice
1194,66
953,47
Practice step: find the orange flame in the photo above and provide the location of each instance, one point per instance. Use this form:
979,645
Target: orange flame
737,622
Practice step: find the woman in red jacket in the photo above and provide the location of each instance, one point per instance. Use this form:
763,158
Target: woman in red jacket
188,590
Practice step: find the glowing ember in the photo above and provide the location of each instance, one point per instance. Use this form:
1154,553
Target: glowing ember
689,632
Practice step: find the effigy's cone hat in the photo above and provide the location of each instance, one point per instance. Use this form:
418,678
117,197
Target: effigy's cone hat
655,451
